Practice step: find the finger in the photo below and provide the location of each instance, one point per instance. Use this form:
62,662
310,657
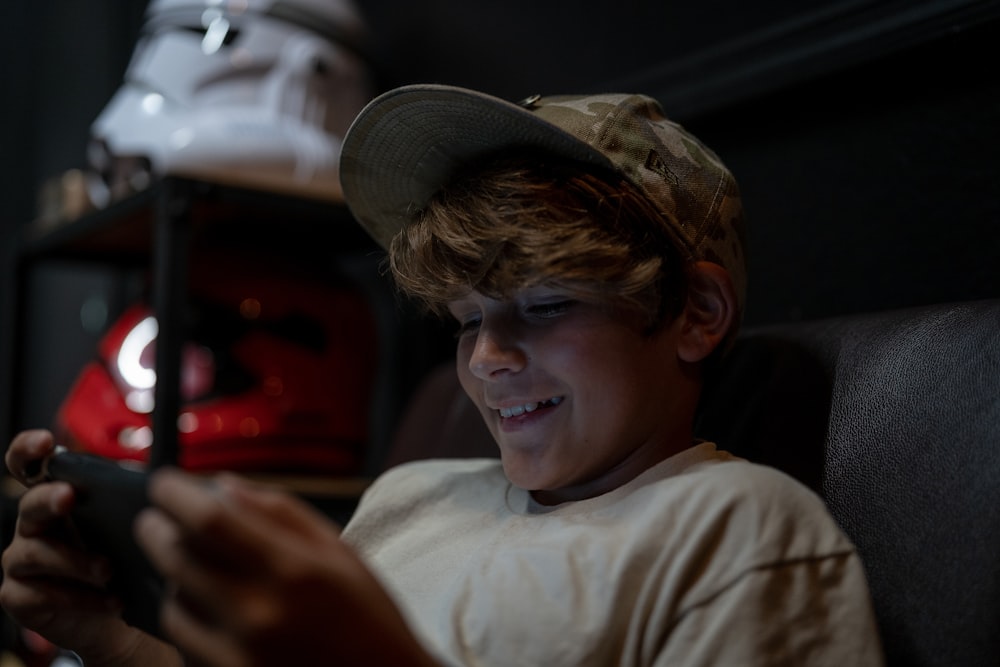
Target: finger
284,512
228,586
31,558
170,550
209,521
45,554
193,502
45,544
42,506
43,599
210,586
246,529
27,450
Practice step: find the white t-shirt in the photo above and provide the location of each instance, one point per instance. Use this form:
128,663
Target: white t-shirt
704,559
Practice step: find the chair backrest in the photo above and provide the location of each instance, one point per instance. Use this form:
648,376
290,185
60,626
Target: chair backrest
893,417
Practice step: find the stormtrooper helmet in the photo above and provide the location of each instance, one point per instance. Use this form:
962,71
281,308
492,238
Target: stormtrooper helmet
255,93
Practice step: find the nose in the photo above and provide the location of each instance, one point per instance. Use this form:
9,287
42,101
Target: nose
496,353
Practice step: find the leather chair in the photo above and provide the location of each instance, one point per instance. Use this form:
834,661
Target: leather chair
892,417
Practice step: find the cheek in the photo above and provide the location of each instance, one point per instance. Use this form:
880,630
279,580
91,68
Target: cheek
591,358
616,375
470,383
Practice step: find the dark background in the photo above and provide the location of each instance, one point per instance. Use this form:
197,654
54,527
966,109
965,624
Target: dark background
864,135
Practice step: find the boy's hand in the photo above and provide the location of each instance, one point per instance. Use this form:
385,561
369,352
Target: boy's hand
261,578
51,583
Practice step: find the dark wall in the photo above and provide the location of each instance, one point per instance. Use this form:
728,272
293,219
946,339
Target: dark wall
61,61
874,187
863,132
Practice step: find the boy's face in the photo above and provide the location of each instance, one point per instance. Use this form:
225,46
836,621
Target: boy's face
578,398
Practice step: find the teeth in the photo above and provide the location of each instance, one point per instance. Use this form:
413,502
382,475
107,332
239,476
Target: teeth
518,410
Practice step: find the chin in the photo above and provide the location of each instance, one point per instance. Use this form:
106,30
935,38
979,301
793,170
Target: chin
519,474
526,474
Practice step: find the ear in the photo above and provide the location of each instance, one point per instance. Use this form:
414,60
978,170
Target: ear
709,313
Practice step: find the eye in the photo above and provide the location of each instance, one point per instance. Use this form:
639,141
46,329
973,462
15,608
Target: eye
550,308
467,326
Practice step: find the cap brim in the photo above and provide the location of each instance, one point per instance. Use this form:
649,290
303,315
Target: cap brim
409,142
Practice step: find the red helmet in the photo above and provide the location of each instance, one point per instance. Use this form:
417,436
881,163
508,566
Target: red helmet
276,376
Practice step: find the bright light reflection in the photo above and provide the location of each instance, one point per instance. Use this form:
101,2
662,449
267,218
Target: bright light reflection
140,401
152,103
180,138
216,29
187,422
136,439
130,366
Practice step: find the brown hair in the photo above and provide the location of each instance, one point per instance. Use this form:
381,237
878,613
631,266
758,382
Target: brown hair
516,222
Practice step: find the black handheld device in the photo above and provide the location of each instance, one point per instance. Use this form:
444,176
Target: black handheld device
108,498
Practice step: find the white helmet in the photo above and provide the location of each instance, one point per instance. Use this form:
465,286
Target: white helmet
257,93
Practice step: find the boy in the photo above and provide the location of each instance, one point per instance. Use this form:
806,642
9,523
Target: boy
591,252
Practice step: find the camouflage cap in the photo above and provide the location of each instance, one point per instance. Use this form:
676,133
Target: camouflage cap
409,142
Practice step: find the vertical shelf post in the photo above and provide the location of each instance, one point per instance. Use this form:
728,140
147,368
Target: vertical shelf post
171,242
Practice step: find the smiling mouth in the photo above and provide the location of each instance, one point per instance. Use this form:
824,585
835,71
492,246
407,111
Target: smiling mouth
518,410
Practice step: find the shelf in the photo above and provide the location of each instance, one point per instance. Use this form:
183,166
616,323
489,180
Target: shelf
124,232
160,228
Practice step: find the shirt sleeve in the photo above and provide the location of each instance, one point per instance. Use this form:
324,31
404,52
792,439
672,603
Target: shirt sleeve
805,613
